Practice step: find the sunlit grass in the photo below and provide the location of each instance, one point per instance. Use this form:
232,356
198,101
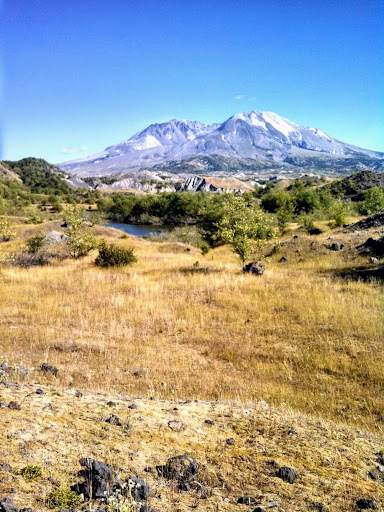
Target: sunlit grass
204,330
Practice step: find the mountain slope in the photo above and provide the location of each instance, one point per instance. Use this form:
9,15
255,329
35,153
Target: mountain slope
264,137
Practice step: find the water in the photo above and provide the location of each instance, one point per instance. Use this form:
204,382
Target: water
140,230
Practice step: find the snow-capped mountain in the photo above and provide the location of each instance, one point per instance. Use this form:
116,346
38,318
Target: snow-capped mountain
264,137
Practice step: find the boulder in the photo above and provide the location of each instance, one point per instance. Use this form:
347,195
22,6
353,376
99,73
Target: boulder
99,479
55,237
255,267
336,247
48,368
138,488
287,474
366,504
372,247
182,468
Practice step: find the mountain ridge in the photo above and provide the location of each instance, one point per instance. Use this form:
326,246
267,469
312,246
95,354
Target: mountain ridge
266,138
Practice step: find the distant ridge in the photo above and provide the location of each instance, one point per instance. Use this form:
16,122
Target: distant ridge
263,139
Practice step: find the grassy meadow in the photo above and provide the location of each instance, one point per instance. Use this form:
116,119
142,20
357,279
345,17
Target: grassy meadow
181,325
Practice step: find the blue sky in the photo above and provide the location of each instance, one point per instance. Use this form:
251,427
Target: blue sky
80,75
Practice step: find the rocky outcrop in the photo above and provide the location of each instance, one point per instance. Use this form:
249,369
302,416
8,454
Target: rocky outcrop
374,221
216,185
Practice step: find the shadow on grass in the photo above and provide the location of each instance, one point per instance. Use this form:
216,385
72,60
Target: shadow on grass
365,274
200,270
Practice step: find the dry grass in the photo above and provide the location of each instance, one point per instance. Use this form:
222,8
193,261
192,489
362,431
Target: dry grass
295,336
55,429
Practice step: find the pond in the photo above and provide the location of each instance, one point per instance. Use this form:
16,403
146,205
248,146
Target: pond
140,230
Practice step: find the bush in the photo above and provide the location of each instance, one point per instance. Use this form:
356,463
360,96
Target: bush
61,498
6,234
111,255
36,242
31,472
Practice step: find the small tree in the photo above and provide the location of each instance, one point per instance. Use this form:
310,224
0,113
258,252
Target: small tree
339,216
243,226
80,240
373,201
36,242
6,233
111,255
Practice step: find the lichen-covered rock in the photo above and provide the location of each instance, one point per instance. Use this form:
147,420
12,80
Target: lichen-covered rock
182,468
287,474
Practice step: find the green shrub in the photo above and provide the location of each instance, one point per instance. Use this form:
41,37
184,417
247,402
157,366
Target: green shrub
36,242
31,472
111,255
62,498
6,234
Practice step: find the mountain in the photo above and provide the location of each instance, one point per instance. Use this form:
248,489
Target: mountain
264,140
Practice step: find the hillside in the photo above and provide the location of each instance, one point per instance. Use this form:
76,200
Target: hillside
238,446
39,175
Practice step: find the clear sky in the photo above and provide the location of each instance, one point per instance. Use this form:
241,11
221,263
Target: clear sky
80,75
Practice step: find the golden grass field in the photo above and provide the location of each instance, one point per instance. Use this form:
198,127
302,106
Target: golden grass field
296,336
295,349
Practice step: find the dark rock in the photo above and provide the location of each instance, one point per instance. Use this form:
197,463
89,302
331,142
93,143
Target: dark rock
376,474
230,441
114,420
48,368
366,504
287,474
295,237
255,268
373,221
138,488
182,468
283,259
247,500
39,391
99,479
79,394
144,508
372,247
317,507
133,406
140,373
336,246
209,422
259,509
111,404
7,505
380,458
148,469
14,406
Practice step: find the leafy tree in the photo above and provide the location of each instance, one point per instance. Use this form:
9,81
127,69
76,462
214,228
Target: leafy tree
80,240
243,226
373,201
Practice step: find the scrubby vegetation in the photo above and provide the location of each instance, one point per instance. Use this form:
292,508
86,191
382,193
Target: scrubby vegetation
111,255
